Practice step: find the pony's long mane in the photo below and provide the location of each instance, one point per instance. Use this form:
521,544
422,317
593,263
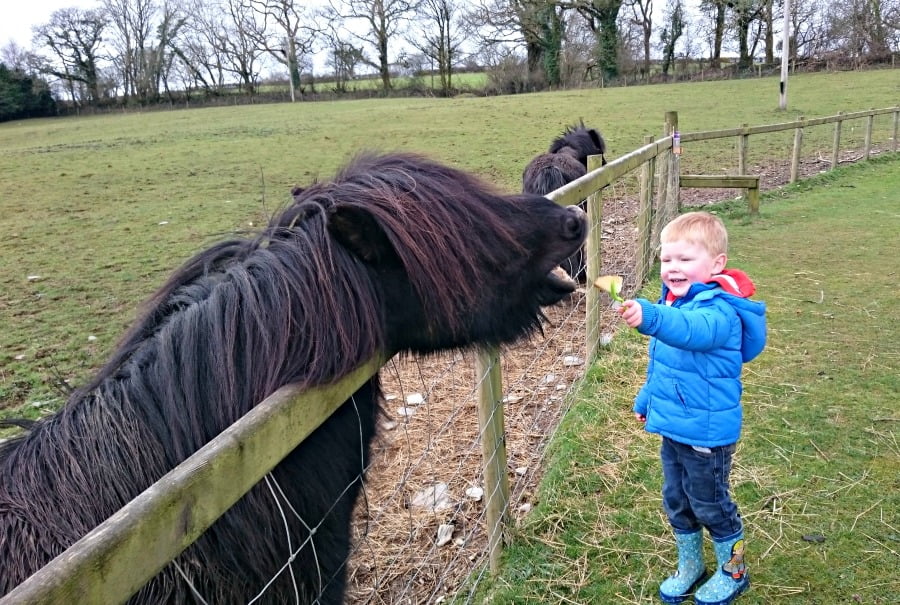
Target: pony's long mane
580,141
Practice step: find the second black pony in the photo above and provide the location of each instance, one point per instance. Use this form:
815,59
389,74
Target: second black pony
396,254
565,161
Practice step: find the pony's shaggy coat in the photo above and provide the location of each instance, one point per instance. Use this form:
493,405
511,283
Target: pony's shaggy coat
396,254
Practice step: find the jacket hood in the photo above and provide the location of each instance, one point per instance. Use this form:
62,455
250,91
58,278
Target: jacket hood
735,282
736,287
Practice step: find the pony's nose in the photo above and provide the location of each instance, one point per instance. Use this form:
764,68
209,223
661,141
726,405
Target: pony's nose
574,223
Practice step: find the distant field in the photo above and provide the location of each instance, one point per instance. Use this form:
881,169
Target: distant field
461,81
95,212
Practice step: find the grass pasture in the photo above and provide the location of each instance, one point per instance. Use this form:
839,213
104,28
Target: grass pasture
96,211
816,469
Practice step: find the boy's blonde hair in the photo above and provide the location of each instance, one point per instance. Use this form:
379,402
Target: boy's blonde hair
699,228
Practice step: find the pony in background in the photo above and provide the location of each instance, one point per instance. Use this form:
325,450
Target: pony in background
565,161
396,254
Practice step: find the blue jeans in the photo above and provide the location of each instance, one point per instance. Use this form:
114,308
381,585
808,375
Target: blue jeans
695,489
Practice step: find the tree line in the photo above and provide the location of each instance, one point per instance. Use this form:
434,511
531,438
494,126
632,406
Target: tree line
148,51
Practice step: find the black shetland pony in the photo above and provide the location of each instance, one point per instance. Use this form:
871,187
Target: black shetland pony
565,161
396,254
580,141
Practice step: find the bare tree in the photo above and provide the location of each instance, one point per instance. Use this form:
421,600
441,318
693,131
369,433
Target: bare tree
132,22
159,58
746,13
16,57
538,24
808,30
672,30
642,17
602,16
196,46
383,21
287,31
440,38
73,38
771,19
344,58
863,29
236,43
715,10
217,43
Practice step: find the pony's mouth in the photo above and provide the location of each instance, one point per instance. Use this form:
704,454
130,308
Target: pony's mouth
556,286
559,279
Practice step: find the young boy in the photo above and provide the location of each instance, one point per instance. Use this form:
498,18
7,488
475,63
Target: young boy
702,330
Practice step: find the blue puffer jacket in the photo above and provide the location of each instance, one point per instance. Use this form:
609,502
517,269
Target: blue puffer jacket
693,388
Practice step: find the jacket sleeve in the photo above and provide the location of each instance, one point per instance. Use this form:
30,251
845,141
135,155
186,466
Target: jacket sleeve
753,332
700,329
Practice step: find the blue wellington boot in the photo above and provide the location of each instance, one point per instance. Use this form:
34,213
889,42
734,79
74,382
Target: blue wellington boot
691,571
731,579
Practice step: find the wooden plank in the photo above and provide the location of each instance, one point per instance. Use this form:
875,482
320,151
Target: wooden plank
593,252
894,142
836,146
766,128
753,200
493,451
673,191
662,194
867,145
731,181
643,254
118,557
795,155
743,149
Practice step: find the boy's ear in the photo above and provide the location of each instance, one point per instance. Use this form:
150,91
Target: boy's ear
358,231
719,263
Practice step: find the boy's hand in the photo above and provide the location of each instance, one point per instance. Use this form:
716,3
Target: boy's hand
640,417
632,313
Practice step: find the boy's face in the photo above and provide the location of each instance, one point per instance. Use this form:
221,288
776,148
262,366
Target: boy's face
683,263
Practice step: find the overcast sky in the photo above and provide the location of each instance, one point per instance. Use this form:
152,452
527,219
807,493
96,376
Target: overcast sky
18,17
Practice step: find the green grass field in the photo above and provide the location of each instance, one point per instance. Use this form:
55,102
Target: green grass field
99,210
816,469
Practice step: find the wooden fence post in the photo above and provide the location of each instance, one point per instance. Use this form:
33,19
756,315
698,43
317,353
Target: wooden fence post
836,146
867,144
662,177
743,152
896,130
644,251
493,450
593,252
673,196
795,156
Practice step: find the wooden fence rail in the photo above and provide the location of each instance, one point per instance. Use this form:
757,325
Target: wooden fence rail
118,557
124,552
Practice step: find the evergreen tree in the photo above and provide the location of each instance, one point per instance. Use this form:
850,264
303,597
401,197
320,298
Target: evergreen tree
22,96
